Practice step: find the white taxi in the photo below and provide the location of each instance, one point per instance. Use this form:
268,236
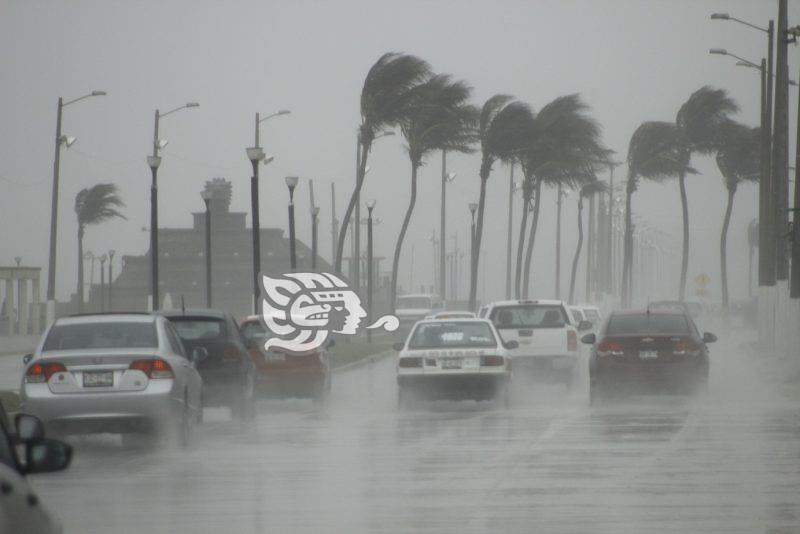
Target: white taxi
453,359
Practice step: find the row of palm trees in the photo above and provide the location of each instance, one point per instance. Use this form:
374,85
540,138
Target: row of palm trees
661,150
559,146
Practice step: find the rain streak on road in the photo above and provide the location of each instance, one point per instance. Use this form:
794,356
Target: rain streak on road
729,462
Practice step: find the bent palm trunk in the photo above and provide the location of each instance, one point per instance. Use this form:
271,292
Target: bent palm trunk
577,252
520,246
723,246
476,246
399,245
532,238
685,257
627,251
351,206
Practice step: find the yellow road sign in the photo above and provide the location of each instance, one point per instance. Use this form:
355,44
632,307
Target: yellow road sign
702,280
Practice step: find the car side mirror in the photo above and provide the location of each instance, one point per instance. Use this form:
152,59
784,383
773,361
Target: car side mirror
585,325
589,339
27,358
511,345
331,343
398,346
708,337
199,354
44,455
28,427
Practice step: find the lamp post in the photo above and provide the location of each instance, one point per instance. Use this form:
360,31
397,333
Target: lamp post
102,283
473,206
110,276
206,195
447,177
370,207
314,221
766,227
60,140
291,183
153,161
561,195
256,154
511,187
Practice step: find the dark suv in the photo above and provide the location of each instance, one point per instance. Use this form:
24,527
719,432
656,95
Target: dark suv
226,367
648,351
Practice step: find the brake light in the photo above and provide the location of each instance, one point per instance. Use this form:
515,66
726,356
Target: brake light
410,362
609,348
41,372
684,346
492,361
572,340
154,368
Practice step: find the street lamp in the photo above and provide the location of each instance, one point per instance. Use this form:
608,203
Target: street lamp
206,195
153,161
110,276
314,221
370,207
68,141
256,154
473,206
291,183
447,177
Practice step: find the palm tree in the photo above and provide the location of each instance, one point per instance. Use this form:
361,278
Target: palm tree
700,121
94,205
385,101
564,146
588,190
739,160
503,130
439,119
655,152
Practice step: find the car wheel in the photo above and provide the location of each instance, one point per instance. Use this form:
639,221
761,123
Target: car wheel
185,425
321,393
404,399
594,394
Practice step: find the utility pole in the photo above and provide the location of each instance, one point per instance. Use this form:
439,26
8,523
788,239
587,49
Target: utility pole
558,242
780,145
510,230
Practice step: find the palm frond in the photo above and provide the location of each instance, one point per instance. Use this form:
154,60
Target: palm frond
703,116
739,154
656,152
97,204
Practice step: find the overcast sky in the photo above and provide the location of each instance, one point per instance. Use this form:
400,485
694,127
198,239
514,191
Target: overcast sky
631,61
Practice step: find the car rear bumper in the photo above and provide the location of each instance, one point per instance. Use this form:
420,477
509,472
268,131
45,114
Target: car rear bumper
455,386
102,412
648,376
546,368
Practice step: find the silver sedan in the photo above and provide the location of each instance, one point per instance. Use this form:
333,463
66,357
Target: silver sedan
117,373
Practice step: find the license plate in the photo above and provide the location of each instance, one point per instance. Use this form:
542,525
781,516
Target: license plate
98,379
525,341
648,354
451,363
275,356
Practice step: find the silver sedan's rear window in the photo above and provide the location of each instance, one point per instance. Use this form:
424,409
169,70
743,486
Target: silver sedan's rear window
105,335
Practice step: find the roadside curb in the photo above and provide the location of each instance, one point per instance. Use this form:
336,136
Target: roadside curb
364,361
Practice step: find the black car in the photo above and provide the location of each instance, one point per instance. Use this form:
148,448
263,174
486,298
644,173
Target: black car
226,367
647,351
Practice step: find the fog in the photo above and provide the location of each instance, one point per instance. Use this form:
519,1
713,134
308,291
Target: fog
630,61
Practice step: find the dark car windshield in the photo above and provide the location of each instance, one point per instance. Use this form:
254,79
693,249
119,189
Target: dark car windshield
440,335
199,328
529,316
101,335
646,323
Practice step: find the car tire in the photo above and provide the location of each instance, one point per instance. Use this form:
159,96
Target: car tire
185,427
322,392
404,399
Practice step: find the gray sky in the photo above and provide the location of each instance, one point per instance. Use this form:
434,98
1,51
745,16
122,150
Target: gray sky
631,60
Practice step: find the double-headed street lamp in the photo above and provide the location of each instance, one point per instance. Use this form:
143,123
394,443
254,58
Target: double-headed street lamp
68,141
110,276
370,207
256,155
473,206
206,195
153,161
102,282
291,183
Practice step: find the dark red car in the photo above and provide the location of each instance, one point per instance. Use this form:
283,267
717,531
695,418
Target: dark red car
648,351
283,375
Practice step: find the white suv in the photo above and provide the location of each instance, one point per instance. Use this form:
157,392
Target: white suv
546,334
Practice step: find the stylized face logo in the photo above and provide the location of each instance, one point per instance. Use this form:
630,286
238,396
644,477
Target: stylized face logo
302,309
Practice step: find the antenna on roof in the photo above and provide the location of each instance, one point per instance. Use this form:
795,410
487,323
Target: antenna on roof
648,304
183,306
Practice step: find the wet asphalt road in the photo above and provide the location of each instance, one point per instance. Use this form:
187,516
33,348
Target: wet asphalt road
729,462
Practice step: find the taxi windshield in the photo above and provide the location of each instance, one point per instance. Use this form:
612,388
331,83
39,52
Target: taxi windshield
441,335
